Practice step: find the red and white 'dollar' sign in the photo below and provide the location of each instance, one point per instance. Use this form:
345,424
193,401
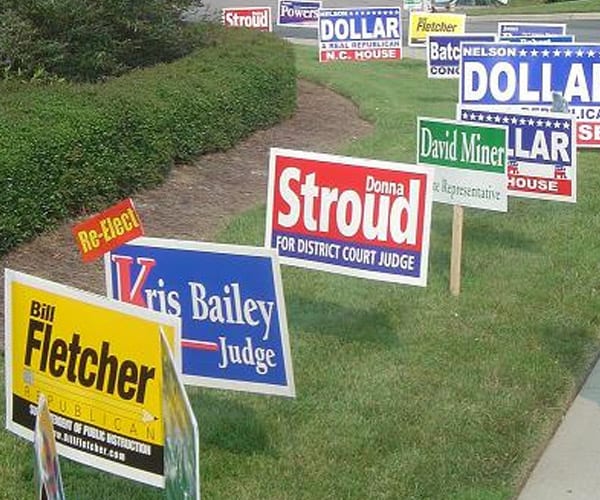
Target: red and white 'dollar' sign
256,18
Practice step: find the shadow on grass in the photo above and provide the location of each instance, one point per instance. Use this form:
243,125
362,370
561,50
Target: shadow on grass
346,323
568,345
439,263
484,233
479,228
436,98
229,425
477,232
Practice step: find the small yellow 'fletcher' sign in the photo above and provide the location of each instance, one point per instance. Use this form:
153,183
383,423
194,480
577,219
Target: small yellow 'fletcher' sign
425,23
98,361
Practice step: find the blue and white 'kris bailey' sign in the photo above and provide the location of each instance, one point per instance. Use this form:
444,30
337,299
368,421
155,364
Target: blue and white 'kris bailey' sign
230,300
298,13
360,34
525,76
443,52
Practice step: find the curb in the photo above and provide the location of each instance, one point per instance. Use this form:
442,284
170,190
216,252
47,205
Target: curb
591,16
301,41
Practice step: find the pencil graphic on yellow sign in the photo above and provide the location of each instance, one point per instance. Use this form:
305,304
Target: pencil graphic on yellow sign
99,364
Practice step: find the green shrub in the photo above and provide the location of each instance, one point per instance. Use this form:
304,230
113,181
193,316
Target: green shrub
84,40
68,148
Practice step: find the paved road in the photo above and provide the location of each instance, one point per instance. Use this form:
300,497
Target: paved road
585,27
585,30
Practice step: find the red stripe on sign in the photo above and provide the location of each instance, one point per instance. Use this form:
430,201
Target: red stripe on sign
541,185
360,54
588,134
200,345
364,197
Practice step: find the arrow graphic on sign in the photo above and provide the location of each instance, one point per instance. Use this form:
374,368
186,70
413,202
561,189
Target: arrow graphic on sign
147,416
80,396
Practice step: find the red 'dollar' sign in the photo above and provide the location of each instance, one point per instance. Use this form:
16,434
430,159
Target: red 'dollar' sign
107,230
257,18
351,216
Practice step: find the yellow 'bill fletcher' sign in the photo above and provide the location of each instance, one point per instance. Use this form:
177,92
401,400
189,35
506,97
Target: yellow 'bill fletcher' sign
98,362
426,23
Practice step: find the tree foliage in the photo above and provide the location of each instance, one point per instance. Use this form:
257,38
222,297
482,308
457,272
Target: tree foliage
91,39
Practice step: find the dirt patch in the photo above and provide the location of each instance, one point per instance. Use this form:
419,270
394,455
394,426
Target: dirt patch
198,198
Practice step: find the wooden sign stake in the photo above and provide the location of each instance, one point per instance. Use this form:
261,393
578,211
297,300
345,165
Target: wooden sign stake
456,255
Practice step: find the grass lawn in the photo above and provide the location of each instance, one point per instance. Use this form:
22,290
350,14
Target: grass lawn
403,392
538,7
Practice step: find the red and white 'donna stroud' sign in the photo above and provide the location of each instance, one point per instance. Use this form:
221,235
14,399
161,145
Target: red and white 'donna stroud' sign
257,18
352,216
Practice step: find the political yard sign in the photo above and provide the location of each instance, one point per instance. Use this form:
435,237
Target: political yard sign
541,152
525,76
98,362
539,39
443,52
422,24
182,453
360,34
48,479
351,216
230,300
412,4
517,29
107,230
256,18
298,13
470,162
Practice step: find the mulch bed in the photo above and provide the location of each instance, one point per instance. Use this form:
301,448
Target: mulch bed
199,198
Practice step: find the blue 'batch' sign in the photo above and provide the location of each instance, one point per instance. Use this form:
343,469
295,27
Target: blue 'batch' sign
443,52
299,13
230,300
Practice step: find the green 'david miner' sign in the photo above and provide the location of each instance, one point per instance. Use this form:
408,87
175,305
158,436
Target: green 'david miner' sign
470,161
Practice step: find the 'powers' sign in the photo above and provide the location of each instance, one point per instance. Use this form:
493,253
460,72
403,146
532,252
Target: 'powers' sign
525,76
360,34
351,216
298,13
